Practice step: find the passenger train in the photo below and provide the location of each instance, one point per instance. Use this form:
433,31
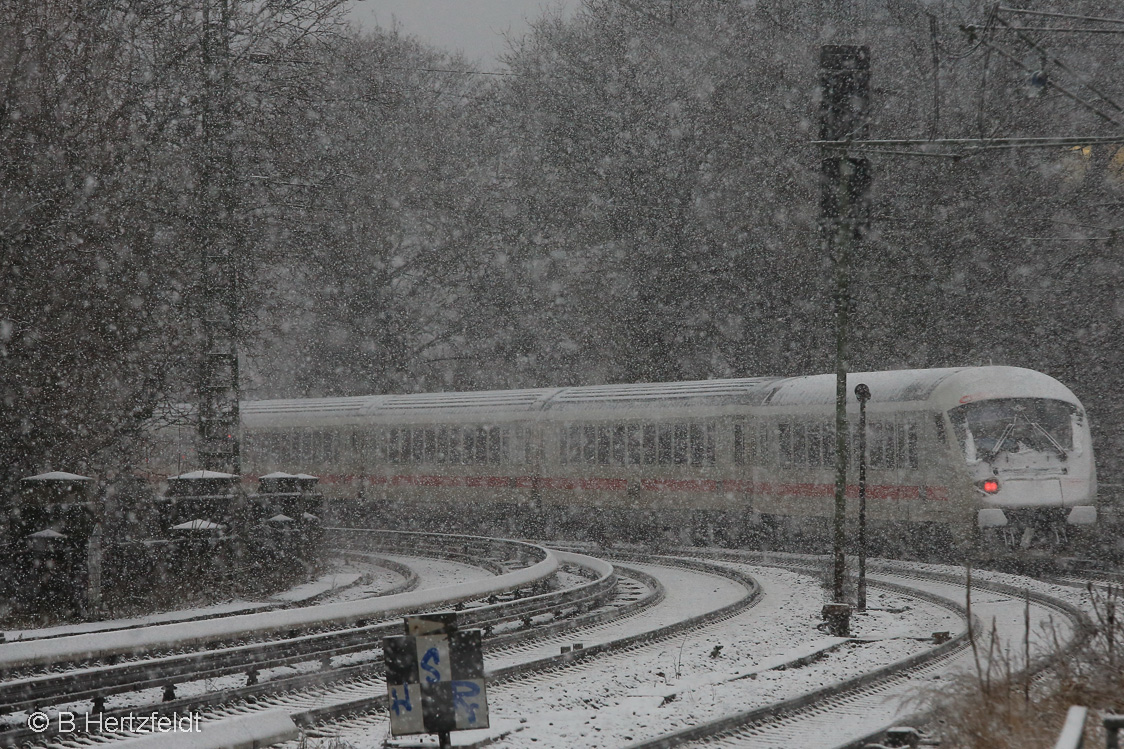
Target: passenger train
952,454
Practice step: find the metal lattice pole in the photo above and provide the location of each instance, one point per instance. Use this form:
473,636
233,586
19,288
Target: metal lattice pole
219,292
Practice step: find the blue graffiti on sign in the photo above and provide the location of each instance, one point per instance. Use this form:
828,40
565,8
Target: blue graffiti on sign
462,690
398,704
428,663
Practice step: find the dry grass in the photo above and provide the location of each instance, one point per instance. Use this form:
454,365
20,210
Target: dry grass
1000,706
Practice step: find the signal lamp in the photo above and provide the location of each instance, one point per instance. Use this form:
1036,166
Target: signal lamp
991,486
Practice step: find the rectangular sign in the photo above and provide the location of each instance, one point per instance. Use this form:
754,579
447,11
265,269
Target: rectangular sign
435,682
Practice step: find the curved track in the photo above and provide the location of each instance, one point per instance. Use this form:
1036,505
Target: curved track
700,647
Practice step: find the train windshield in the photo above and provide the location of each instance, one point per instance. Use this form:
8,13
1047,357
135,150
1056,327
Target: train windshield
989,428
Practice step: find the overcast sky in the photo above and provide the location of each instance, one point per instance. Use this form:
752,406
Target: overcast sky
474,27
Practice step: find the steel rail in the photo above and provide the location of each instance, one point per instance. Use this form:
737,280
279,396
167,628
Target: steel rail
582,616
294,646
310,719
82,648
821,700
37,692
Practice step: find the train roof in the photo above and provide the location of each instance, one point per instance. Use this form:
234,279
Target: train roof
937,388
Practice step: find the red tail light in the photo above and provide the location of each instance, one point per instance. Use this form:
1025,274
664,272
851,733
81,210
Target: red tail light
991,486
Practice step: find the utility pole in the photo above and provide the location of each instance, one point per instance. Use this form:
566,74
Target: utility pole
218,239
845,85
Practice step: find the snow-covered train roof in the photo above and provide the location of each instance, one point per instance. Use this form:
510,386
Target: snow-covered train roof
500,405
941,388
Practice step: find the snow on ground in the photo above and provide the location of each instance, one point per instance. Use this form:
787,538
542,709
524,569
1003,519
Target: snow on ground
705,673
72,647
352,579
435,573
339,578
218,609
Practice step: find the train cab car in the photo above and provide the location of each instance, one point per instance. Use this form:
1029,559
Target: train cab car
1031,476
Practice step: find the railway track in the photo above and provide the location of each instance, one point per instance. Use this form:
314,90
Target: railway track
515,592
827,716
311,697
349,697
819,718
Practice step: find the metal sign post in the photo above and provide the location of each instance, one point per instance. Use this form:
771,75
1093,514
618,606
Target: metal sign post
435,678
862,392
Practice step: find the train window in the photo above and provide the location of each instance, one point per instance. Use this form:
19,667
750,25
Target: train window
480,446
708,451
635,445
873,445
751,441
535,447
681,433
589,444
666,443
882,448
698,443
468,446
604,435
503,438
468,454
442,445
813,445
784,442
457,437
429,445
404,445
401,437
910,445
827,439
411,446
651,444
620,443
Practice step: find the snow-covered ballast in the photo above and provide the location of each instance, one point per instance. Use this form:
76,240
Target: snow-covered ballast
72,648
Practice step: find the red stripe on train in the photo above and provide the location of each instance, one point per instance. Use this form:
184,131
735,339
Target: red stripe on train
876,491
679,485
